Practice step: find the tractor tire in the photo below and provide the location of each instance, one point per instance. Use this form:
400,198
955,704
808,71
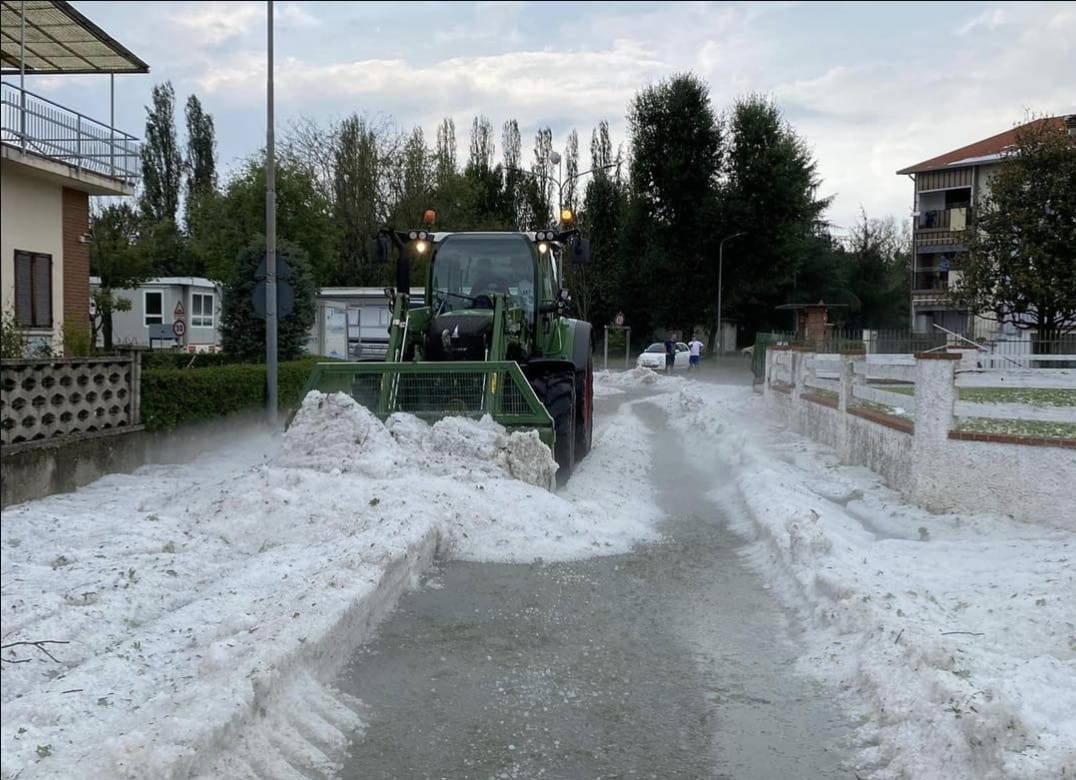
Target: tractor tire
584,410
557,394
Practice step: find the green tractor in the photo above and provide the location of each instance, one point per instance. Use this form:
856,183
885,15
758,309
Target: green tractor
493,336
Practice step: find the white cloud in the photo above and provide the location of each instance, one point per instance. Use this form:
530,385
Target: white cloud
527,84
216,23
295,15
991,19
865,115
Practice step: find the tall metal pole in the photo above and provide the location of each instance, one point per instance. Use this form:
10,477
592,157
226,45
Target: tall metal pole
270,238
112,124
720,269
22,75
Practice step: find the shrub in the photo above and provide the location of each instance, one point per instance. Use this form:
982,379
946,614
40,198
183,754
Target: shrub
177,359
175,396
78,339
12,337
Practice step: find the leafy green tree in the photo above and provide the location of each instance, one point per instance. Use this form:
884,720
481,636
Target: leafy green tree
769,192
356,201
677,146
571,170
162,173
242,331
304,217
876,274
162,164
413,181
511,144
595,288
445,166
540,189
1021,265
201,169
118,258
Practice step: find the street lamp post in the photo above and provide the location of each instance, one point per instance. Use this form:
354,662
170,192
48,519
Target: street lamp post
720,269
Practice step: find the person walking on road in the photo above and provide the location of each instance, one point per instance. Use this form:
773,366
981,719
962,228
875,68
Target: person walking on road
695,350
670,353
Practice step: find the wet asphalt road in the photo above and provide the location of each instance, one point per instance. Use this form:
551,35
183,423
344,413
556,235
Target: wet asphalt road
668,662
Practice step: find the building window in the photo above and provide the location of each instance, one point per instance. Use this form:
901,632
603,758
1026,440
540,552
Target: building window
154,307
202,310
33,289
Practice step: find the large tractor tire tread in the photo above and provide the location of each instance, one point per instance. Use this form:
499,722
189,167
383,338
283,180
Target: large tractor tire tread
557,394
584,410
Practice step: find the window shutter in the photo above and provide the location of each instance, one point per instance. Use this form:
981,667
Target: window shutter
24,289
42,291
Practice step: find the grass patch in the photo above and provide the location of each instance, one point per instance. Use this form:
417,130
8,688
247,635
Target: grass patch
824,393
883,408
1034,396
1050,430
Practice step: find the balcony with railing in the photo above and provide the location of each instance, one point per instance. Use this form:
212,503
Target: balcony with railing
955,218
38,126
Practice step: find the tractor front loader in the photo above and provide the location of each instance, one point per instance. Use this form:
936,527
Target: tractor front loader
493,337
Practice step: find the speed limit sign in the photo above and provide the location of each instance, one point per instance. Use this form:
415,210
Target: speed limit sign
179,327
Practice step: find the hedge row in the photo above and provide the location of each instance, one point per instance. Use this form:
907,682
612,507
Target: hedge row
172,396
170,359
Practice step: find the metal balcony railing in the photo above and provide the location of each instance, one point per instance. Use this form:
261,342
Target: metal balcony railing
39,126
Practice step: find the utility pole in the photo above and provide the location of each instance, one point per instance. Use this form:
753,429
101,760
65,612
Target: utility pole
720,267
270,239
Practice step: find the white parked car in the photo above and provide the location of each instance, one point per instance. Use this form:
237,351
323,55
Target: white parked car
654,356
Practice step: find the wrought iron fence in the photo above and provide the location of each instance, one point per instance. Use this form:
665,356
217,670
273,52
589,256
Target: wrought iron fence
36,124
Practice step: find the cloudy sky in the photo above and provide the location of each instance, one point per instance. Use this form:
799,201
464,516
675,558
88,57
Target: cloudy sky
871,87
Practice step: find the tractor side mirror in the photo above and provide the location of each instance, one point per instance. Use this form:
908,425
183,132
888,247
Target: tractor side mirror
379,250
580,252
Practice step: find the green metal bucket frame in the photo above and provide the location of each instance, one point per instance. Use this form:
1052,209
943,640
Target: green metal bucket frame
426,390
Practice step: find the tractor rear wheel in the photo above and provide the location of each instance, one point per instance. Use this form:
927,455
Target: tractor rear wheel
584,410
557,394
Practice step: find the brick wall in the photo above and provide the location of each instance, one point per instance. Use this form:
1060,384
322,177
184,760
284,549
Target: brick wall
76,223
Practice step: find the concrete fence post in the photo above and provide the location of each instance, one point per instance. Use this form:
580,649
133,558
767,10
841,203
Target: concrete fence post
935,398
845,396
771,359
134,353
799,375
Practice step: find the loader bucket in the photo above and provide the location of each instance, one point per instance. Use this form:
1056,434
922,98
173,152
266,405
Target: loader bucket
435,390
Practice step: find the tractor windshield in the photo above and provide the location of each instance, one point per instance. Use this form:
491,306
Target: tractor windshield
469,269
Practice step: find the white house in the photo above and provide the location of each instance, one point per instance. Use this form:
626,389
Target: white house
169,312
352,323
52,159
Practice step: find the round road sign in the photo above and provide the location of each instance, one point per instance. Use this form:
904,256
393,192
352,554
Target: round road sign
179,327
619,318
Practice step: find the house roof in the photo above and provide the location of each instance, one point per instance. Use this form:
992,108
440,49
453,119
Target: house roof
985,151
58,39
168,281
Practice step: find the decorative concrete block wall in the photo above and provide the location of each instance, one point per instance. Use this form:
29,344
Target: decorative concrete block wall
44,399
